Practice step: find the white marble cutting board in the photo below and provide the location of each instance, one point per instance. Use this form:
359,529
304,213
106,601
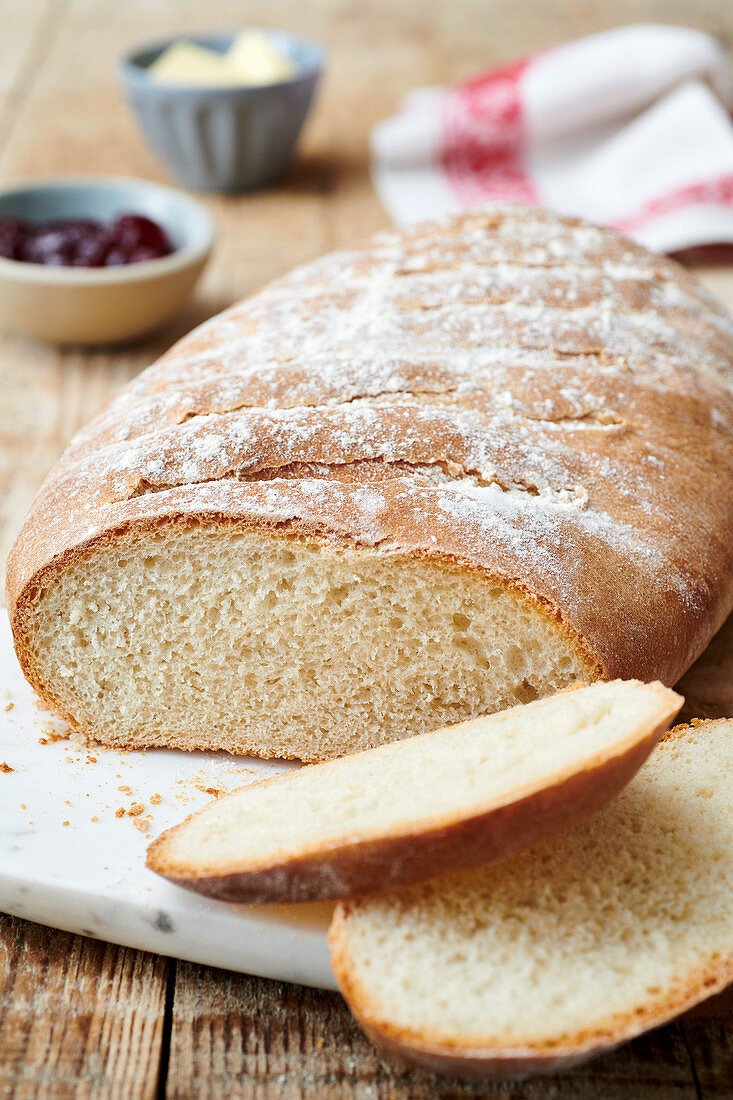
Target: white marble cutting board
67,860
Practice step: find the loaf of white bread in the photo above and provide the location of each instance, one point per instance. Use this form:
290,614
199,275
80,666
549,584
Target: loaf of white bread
400,813
421,479
567,949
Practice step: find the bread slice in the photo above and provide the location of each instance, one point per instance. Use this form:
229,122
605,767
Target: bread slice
567,949
411,810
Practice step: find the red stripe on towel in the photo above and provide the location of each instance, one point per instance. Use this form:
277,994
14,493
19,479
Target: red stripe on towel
718,192
483,138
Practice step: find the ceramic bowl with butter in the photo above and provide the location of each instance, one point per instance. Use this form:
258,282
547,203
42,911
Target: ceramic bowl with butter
49,291
224,111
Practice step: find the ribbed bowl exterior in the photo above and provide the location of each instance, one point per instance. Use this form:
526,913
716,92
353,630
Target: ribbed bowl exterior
223,139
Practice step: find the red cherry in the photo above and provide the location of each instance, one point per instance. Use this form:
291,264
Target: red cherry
82,242
13,235
137,231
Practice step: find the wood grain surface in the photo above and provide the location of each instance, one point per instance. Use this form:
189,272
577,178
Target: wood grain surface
77,1015
82,1018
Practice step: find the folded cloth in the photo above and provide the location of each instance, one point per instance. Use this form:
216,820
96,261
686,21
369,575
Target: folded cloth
629,128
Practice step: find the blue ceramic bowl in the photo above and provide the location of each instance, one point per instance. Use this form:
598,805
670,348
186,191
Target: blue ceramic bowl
224,139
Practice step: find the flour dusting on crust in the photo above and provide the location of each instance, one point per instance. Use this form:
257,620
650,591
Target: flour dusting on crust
510,390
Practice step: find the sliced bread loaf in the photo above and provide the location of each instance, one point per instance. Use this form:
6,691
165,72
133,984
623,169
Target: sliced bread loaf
571,947
427,477
414,809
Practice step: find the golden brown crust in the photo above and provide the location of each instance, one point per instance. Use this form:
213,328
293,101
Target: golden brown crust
438,1056
357,866
510,392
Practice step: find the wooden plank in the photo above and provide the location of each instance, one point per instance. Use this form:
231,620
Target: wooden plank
248,1039
26,38
710,1043
77,1016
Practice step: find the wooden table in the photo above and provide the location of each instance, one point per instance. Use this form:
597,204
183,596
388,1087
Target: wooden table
79,1017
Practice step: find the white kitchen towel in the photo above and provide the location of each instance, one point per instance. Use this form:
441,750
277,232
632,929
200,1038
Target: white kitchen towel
629,128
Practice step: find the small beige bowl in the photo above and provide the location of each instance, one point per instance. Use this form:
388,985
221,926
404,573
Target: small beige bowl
102,305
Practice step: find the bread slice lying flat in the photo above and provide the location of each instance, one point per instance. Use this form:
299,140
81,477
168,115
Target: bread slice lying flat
572,946
408,811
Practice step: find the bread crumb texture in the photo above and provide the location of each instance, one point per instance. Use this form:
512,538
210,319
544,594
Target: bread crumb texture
218,638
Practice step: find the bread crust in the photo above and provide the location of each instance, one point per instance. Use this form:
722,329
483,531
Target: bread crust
508,392
357,866
436,1056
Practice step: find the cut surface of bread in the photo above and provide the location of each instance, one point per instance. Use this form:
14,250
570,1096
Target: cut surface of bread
167,638
415,809
570,947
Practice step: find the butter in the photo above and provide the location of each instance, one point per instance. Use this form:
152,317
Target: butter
253,55
187,63
250,61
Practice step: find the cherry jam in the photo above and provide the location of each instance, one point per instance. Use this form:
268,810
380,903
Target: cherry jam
83,242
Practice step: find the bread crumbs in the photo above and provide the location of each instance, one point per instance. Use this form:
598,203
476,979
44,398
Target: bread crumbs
155,799
142,823
136,808
6,767
52,735
66,823
9,706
